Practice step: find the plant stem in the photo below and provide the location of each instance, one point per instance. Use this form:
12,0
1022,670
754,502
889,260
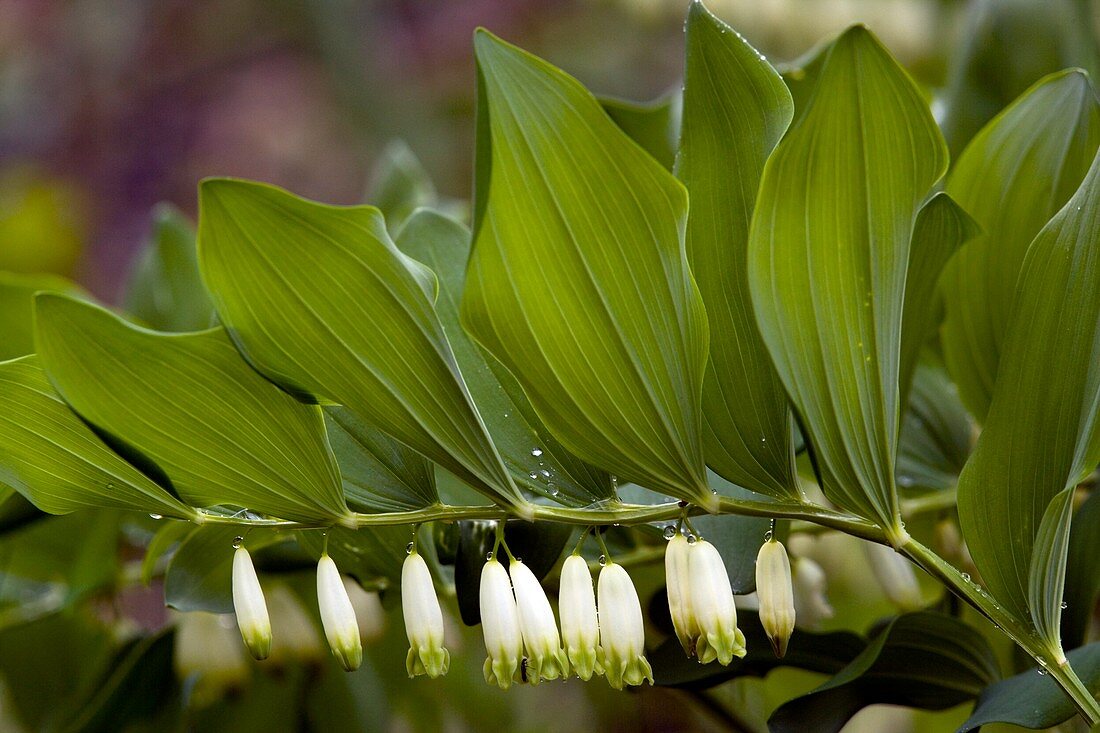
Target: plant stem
1086,704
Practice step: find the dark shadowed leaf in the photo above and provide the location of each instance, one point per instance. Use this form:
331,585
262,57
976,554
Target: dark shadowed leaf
1082,572
1033,700
935,432
921,660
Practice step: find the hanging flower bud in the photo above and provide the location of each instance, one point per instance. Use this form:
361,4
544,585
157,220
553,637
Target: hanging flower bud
776,594
423,620
679,595
895,574
338,616
580,628
250,606
500,624
713,606
622,634
546,659
810,604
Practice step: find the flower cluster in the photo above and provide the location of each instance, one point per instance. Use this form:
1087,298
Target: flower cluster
521,635
700,601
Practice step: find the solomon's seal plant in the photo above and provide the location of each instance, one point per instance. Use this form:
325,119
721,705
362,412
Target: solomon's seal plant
770,309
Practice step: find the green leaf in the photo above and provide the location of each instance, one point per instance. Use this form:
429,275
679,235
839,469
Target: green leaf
941,228
1082,572
1041,435
828,253
736,109
187,402
52,457
1033,700
535,458
199,575
653,125
581,286
935,433
399,184
1047,573
922,660
378,473
320,300
1015,174
17,309
164,289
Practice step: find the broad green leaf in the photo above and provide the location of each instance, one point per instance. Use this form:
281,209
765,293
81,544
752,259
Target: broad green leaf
941,228
1041,435
1016,173
164,289
535,458
828,253
1082,572
1034,700
935,433
53,458
736,109
826,653
189,404
199,575
320,300
653,125
399,185
1047,574
379,474
17,309
922,660
580,284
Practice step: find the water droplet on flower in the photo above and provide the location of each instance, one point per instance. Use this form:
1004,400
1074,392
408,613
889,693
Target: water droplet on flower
966,577
670,532
409,549
536,452
237,542
692,539
155,517
489,556
1064,605
768,536
603,560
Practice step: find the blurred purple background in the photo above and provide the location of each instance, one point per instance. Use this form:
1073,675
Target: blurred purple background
110,106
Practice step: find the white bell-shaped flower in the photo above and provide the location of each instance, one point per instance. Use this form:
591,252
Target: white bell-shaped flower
250,606
580,628
500,624
895,575
713,606
338,615
810,602
423,620
546,659
776,594
622,633
679,595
